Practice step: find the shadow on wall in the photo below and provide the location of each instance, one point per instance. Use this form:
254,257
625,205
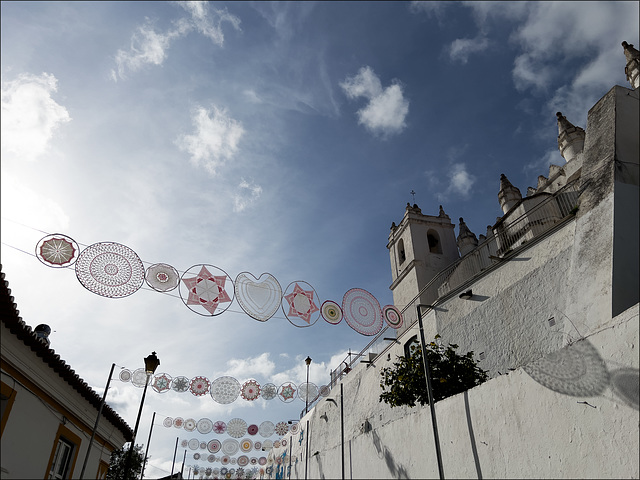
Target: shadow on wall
316,455
579,371
397,471
472,437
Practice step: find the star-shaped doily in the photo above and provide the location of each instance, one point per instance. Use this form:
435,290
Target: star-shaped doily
287,392
207,290
301,303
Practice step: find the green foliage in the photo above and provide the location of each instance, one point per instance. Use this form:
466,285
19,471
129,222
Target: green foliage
117,464
404,383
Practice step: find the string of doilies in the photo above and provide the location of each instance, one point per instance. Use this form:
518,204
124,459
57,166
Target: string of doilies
235,428
114,270
247,467
224,472
224,389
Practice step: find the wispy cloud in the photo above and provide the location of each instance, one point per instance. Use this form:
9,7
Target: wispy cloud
387,109
209,23
215,139
30,116
549,32
246,195
429,7
149,47
461,48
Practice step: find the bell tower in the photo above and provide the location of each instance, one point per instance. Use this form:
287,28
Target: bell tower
419,247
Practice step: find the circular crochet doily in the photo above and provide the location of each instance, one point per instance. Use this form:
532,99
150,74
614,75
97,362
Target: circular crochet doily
162,277
110,269
362,311
331,312
225,390
58,251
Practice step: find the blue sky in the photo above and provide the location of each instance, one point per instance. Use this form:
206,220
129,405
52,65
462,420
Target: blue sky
267,137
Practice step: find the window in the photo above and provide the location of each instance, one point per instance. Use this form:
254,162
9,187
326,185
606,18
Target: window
413,341
63,455
7,396
62,459
103,468
401,255
434,241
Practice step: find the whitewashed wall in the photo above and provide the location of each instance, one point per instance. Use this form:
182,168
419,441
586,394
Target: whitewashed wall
509,427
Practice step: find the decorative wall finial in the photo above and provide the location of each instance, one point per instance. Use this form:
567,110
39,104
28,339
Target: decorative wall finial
570,138
508,195
467,240
632,69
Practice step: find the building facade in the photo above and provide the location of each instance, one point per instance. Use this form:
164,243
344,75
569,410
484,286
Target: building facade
48,411
547,299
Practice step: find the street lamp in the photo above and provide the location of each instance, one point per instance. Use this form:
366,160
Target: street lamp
308,362
306,454
95,427
150,365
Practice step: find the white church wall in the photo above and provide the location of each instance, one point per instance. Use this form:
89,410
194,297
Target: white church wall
510,427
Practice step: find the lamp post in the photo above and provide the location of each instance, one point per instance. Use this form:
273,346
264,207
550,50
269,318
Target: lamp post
308,362
427,375
342,424
146,453
150,364
95,427
175,450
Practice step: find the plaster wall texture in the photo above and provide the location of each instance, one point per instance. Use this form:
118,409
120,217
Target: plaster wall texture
26,445
30,431
507,317
509,427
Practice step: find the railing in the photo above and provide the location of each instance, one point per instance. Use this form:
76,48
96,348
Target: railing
536,216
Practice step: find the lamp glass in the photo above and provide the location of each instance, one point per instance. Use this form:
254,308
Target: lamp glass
151,363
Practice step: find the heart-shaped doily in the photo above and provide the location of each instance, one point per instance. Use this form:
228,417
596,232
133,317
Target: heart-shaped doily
258,297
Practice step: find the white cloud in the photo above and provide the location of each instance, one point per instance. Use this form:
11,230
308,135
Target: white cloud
387,108
319,373
461,48
210,25
555,30
460,182
148,47
550,33
215,140
247,194
365,84
29,115
261,366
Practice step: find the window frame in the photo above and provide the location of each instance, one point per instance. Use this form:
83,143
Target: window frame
67,436
10,394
